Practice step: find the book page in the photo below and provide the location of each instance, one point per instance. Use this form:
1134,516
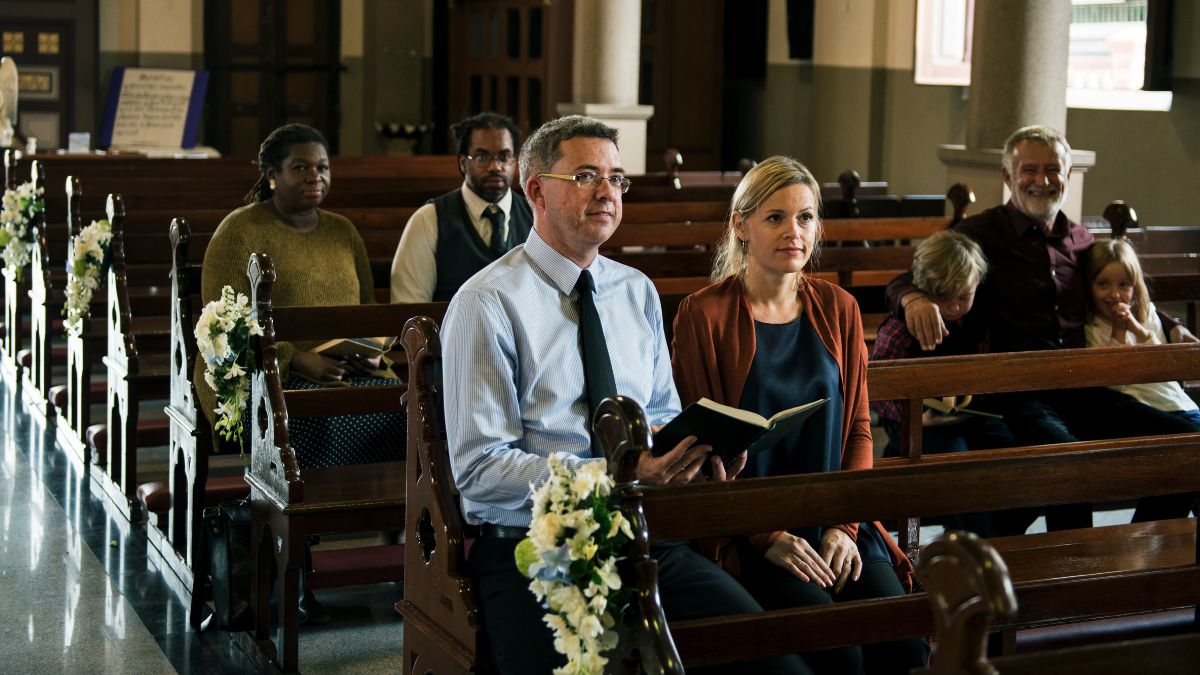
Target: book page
736,413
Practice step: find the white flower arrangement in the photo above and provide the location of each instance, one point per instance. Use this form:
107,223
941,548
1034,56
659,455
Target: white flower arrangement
570,557
87,268
17,232
223,340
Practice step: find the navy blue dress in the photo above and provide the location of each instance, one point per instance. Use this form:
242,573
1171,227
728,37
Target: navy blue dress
791,367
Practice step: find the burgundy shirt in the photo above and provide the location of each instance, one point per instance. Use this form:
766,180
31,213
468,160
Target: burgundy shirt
1035,293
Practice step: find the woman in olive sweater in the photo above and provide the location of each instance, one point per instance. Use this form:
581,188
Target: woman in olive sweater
319,259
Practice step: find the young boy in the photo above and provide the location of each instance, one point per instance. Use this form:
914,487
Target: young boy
947,267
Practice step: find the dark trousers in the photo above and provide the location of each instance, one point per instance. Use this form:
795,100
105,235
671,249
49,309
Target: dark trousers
777,588
520,643
1069,415
975,432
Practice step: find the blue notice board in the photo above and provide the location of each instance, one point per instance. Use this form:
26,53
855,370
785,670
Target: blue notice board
156,107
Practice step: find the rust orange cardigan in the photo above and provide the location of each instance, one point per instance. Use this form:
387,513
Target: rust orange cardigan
713,349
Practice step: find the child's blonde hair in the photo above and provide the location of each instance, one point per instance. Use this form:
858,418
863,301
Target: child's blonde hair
1107,251
947,264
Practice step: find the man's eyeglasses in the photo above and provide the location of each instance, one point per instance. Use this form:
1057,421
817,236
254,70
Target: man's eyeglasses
589,180
484,159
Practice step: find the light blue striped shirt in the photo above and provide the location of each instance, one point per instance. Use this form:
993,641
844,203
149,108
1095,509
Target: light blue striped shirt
514,389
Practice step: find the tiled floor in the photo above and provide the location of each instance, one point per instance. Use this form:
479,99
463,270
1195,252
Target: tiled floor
80,591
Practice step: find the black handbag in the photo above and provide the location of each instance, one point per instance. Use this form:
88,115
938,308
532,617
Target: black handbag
228,528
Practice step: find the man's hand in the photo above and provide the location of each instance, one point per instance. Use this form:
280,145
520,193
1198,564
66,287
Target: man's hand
1181,334
924,320
721,473
317,367
680,465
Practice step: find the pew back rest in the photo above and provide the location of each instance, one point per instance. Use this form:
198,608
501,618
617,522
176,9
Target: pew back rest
912,380
273,461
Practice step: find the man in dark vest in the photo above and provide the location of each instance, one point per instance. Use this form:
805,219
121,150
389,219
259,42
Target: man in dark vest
455,235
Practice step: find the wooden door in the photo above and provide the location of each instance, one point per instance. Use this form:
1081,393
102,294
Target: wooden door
272,62
681,76
512,57
54,47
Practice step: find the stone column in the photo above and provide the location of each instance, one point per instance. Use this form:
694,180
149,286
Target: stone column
608,36
1018,77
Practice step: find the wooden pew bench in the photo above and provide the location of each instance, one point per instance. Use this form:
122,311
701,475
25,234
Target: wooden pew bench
970,589
289,504
1129,568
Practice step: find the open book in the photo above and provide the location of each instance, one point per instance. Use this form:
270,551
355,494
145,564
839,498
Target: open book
366,347
731,430
952,405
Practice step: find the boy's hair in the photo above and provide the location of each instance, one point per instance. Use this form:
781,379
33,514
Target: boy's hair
1107,251
947,264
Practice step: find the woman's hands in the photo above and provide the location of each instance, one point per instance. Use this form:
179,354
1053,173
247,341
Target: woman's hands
794,554
321,368
837,562
317,367
840,553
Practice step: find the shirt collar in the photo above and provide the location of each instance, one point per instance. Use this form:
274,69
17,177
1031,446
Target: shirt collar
476,204
562,271
1022,223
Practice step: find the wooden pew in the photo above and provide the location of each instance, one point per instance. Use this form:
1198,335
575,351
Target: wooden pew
16,286
1064,576
174,524
970,589
289,504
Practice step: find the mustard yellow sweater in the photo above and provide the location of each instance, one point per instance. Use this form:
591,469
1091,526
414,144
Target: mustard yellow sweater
327,266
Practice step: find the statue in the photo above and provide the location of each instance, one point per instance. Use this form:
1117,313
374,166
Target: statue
8,101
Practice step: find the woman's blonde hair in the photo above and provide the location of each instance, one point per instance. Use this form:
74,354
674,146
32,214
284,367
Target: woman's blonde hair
1107,251
757,186
947,264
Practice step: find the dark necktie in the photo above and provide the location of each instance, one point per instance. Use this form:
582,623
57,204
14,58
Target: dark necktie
597,369
494,214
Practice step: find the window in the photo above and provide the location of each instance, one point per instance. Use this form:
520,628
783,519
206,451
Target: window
1106,64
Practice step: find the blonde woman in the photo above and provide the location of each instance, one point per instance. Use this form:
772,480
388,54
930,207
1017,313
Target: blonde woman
766,337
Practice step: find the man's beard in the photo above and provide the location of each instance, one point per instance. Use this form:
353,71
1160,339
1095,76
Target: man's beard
1040,207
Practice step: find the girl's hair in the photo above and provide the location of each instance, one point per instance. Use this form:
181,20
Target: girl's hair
947,264
274,150
768,177
1107,251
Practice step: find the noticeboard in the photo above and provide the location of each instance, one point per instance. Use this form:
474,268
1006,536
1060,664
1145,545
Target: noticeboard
156,107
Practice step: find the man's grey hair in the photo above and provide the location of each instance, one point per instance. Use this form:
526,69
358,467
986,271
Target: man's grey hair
1038,134
541,150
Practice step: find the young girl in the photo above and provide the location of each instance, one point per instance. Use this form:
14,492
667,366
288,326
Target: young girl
1122,314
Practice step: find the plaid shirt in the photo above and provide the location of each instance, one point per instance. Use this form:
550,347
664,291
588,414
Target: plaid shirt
892,341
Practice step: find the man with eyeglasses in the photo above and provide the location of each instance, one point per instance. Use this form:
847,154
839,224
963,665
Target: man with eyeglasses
531,344
459,233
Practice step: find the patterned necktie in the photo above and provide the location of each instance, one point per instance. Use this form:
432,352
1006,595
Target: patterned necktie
499,244
597,369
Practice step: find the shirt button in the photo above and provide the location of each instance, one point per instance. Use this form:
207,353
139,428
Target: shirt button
1056,309
1053,273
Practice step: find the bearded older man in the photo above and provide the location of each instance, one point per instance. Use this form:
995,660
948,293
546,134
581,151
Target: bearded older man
1034,297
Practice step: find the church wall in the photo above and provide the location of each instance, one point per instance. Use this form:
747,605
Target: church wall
855,105
147,34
